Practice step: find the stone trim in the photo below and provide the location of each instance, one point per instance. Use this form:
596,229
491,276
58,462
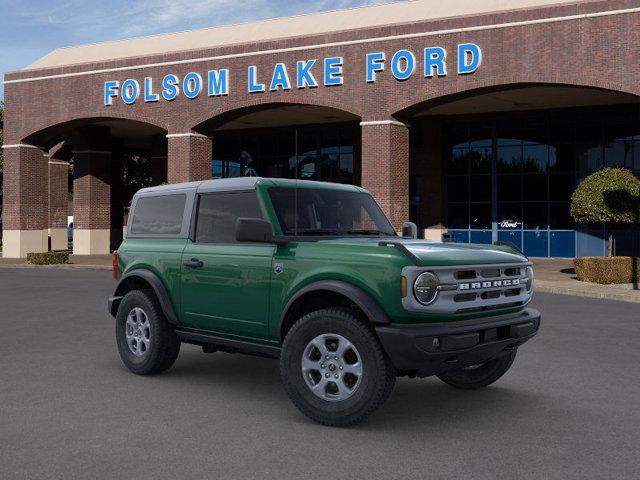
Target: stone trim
190,134
383,122
21,145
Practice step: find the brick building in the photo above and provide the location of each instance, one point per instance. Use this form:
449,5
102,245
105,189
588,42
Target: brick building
476,118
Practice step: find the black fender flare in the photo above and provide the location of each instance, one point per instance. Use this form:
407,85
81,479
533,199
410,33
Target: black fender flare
156,284
362,299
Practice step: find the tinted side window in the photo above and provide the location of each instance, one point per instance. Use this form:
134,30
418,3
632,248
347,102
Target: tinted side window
218,212
159,215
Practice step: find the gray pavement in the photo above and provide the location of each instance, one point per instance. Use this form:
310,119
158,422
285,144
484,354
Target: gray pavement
68,408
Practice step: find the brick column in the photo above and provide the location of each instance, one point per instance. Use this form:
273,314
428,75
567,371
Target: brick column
189,157
159,159
91,202
385,167
25,211
58,191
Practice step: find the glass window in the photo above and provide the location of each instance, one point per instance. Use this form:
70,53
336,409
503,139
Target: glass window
509,133
458,216
509,187
535,158
459,161
561,186
509,216
618,154
535,216
158,215
534,133
480,160
317,211
480,216
562,158
535,188
509,159
559,217
589,157
218,212
480,136
458,189
481,188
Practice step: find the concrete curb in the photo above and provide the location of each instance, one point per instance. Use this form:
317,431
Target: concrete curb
603,292
66,266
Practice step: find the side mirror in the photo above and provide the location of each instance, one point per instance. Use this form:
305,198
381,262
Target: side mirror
409,230
254,230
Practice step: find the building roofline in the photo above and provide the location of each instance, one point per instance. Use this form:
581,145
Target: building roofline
281,28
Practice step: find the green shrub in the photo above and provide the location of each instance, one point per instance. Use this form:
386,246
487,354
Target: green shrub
48,258
607,270
611,195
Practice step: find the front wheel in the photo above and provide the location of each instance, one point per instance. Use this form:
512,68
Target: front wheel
334,369
479,376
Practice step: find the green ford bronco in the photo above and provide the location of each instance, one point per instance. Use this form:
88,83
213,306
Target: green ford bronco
314,274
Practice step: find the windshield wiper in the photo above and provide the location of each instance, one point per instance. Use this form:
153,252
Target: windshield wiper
368,232
318,231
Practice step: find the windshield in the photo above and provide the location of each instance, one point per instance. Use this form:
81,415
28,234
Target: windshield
328,212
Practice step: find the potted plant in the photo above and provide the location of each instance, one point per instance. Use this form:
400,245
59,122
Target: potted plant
609,196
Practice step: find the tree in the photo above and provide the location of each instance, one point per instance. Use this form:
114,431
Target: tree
609,196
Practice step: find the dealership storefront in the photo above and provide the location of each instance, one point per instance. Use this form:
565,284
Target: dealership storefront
474,122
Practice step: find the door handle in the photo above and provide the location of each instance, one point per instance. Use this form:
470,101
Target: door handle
193,263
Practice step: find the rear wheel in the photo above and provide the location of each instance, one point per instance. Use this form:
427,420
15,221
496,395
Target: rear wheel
146,341
334,369
479,376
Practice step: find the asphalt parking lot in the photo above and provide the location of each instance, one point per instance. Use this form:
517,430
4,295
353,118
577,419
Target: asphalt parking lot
569,407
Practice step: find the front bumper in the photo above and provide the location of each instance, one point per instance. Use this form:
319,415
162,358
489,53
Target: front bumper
429,349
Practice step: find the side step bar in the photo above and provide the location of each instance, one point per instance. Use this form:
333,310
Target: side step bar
227,344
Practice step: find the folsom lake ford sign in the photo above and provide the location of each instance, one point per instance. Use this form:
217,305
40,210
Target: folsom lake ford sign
308,73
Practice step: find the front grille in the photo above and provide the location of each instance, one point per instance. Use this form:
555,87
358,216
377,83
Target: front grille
478,288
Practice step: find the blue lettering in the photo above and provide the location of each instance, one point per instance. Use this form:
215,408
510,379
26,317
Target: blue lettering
110,92
375,63
218,82
130,91
280,78
304,77
170,87
333,71
469,58
434,58
403,64
149,96
192,85
254,87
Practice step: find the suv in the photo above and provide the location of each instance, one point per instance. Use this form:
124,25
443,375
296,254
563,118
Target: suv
314,274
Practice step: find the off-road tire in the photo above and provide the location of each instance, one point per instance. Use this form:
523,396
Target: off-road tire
480,377
164,344
378,377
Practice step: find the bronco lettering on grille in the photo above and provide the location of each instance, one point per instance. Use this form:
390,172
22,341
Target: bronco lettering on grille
491,284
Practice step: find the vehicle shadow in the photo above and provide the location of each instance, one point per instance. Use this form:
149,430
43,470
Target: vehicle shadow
414,403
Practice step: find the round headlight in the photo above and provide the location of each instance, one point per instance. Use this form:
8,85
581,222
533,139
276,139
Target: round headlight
529,280
425,288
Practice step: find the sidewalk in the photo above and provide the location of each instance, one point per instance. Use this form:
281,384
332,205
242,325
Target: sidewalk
91,262
558,276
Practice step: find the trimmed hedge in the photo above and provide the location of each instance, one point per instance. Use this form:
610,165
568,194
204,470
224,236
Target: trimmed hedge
607,270
611,195
48,258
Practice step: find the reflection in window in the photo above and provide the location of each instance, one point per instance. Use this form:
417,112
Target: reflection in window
325,153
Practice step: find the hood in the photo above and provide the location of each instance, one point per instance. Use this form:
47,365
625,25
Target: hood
427,253
444,254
